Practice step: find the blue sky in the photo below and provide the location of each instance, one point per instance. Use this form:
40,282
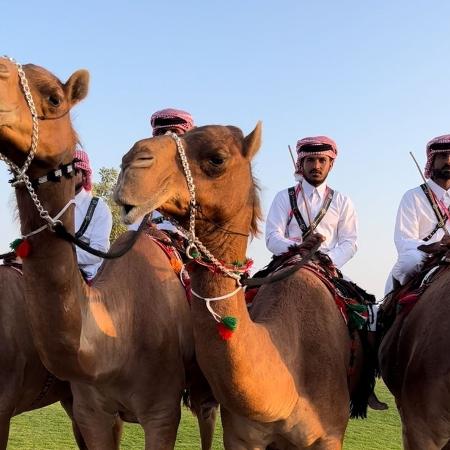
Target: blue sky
375,78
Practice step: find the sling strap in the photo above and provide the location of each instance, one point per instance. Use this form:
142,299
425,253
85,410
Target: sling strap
441,216
307,230
87,218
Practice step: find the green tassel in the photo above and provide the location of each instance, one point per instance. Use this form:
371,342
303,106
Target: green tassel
230,322
356,315
14,244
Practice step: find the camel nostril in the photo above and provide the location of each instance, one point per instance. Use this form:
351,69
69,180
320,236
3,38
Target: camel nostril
4,71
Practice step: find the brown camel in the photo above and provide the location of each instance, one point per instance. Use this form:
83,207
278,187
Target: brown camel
281,379
125,343
26,383
415,366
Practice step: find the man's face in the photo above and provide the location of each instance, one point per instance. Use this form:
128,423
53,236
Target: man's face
316,169
441,166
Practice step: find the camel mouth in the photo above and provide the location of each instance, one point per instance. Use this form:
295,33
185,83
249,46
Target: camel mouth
131,213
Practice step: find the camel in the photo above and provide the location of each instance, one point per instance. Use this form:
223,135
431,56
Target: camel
26,383
281,379
416,368
125,343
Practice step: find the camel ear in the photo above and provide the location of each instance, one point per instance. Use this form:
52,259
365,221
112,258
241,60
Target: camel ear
77,86
253,142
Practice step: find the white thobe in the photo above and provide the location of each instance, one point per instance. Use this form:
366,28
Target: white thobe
338,226
96,234
164,225
415,221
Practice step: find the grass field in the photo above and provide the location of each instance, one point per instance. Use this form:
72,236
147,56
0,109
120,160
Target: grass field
49,429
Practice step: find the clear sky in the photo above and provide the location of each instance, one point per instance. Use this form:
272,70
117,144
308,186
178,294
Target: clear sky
372,75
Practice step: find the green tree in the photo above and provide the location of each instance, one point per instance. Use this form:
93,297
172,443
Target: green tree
104,189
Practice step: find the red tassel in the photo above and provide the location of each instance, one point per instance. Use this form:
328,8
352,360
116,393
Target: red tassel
224,332
23,249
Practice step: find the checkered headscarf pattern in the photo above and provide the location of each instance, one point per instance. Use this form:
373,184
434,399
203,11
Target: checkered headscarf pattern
311,142
171,119
84,165
441,144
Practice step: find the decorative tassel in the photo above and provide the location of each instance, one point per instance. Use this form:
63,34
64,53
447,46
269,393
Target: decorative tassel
21,247
226,327
176,264
357,315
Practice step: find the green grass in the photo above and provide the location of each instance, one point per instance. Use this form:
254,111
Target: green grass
49,429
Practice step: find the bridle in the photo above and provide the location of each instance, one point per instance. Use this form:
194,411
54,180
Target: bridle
195,246
20,176
20,172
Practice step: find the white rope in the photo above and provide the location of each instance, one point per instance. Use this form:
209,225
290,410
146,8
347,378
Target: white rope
54,219
215,299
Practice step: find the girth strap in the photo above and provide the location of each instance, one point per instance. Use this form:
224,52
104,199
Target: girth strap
307,230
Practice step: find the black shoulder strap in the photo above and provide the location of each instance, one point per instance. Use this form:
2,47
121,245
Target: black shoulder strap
441,216
87,218
295,211
298,217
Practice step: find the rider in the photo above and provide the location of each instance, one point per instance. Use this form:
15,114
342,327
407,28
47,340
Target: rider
93,219
422,216
311,206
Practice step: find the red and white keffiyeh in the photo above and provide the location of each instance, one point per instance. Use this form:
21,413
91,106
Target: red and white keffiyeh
171,119
84,165
314,146
439,144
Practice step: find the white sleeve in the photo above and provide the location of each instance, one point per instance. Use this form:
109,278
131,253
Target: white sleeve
347,234
407,226
100,230
276,223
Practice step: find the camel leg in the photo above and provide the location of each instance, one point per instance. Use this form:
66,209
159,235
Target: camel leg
161,433
67,404
207,423
204,406
98,428
4,430
418,434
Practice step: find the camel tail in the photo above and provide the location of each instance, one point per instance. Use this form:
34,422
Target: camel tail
359,397
186,399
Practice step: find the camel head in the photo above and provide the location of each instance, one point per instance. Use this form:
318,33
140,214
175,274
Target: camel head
219,157
53,101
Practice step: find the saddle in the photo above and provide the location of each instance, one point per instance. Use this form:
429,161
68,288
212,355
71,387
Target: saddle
352,301
403,298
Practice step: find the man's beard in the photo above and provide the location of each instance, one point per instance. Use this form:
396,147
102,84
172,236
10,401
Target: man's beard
78,187
442,174
314,181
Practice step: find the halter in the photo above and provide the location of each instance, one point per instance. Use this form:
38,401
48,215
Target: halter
195,246
53,224
20,173
226,325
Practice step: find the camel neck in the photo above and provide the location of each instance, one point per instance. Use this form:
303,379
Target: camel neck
238,357
53,280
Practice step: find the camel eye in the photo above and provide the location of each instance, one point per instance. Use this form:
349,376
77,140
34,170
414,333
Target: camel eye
216,160
54,100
